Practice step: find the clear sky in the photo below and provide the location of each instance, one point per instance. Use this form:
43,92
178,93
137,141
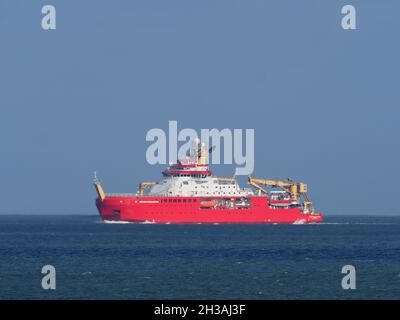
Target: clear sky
324,102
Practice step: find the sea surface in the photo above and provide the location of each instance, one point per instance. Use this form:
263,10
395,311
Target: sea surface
97,260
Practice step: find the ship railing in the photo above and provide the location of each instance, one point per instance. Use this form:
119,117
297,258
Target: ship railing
126,195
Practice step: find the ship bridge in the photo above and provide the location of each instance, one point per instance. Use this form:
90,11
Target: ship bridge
187,170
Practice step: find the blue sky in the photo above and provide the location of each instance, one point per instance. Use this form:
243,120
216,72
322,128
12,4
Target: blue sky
324,102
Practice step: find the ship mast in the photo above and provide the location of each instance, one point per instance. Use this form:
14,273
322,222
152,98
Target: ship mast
201,152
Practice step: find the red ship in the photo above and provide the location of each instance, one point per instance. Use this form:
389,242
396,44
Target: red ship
189,193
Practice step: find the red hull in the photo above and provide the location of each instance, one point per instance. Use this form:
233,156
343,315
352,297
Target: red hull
180,210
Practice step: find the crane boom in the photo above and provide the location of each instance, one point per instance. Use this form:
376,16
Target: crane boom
144,185
295,189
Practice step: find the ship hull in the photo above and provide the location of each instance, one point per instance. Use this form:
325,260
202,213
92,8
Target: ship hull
190,210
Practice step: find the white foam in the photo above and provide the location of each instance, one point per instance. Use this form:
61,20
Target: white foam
147,222
117,222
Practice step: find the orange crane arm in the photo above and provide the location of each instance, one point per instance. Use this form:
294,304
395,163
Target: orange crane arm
144,185
292,187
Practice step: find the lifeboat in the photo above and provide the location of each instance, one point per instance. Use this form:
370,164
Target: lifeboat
207,203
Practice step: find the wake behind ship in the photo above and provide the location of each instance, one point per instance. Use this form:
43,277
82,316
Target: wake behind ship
189,193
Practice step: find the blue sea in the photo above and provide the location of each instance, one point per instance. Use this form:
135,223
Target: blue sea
97,260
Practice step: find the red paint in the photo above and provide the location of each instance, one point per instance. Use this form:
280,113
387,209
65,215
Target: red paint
161,210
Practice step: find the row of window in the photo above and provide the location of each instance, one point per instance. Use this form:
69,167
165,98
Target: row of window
185,175
178,200
216,187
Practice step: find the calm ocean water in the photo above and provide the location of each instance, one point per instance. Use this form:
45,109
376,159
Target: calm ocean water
95,260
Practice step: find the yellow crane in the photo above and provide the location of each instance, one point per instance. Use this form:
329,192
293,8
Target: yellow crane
99,188
144,185
295,189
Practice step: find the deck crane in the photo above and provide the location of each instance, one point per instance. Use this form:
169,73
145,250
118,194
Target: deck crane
144,185
295,189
